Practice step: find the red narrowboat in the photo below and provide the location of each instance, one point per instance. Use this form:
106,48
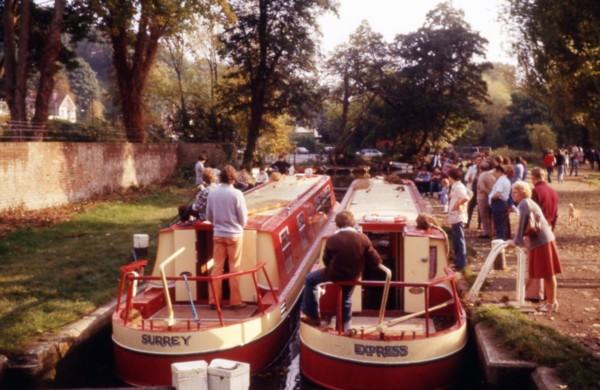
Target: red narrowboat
408,327
165,317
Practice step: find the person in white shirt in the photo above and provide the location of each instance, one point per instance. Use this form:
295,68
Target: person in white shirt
498,200
457,217
198,168
226,210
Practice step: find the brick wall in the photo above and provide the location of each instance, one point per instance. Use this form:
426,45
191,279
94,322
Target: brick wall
35,175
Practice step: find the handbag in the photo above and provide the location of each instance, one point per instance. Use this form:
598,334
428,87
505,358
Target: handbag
534,225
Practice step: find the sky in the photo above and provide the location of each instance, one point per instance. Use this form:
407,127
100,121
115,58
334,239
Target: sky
392,17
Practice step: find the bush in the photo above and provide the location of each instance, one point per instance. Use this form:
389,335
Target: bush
541,137
59,130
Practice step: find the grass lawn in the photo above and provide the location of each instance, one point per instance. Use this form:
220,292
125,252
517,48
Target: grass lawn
51,276
543,345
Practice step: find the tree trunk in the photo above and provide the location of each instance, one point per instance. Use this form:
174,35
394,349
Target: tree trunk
9,57
132,79
258,87
47,69
21,68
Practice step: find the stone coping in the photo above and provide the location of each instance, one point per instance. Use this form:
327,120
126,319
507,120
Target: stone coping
45,353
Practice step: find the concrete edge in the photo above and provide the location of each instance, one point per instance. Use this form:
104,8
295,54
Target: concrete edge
500,367
546,378
43,355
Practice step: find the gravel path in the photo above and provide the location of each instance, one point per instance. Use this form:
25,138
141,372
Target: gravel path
579,249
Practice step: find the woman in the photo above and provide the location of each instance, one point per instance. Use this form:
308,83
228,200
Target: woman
543,255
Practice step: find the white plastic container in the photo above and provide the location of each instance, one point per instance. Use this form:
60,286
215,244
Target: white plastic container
141,240
190,375
226,374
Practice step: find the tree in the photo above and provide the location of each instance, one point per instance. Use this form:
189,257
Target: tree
358,67
272,51
437,85
16,58
86,88
522,113
134,28
557,46
47,68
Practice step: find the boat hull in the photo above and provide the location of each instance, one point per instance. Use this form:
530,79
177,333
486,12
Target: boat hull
148,369
340,362
335,373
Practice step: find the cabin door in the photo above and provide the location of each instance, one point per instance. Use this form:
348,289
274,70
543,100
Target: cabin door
388,245
416,270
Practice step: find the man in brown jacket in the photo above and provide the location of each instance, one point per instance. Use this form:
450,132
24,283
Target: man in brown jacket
485,182
346,253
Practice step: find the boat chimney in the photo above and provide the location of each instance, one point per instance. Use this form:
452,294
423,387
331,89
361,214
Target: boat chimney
140,246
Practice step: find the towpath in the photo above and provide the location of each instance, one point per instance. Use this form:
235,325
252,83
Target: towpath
579,249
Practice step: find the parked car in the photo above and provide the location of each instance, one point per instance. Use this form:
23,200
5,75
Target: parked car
302,150
369,153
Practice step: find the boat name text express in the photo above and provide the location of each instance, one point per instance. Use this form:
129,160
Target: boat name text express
381,351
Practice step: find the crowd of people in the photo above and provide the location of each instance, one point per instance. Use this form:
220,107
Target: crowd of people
495,187
492,186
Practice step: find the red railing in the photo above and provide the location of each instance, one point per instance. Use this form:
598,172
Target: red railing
449,277
134,272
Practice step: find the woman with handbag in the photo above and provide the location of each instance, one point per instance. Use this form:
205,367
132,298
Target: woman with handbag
534,232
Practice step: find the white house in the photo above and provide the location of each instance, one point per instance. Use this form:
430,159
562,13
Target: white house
62,107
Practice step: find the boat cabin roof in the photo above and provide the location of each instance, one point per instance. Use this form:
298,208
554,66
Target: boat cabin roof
375,200
272,197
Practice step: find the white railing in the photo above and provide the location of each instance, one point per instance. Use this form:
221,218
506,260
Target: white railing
489,263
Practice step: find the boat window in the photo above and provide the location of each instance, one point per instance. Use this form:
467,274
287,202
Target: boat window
284,238
300,221
432,261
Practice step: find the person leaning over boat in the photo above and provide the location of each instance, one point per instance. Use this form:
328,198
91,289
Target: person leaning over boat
543,254
346,253
457,217
198,208
226,210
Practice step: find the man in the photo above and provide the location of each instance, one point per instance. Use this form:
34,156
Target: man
198,208
226,210
457,217
485,182
471,178
346,253
198,168
281,165
545,196
498,201
549,163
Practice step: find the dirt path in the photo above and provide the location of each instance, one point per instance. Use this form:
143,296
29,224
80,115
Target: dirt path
579,249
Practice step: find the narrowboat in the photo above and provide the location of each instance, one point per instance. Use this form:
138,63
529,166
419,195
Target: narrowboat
165,317
408,327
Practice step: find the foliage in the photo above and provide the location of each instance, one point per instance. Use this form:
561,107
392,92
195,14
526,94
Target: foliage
558,45
524,111
134,29
541,137
271,51
543,345
86,88
93,131
52,276
422,89
501,83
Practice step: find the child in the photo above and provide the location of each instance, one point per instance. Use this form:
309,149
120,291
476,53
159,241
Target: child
443,194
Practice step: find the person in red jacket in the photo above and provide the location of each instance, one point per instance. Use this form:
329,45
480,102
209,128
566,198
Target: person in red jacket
545,196
549,163
345,256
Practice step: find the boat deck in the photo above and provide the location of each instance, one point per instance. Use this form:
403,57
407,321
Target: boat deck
183,312
409,328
